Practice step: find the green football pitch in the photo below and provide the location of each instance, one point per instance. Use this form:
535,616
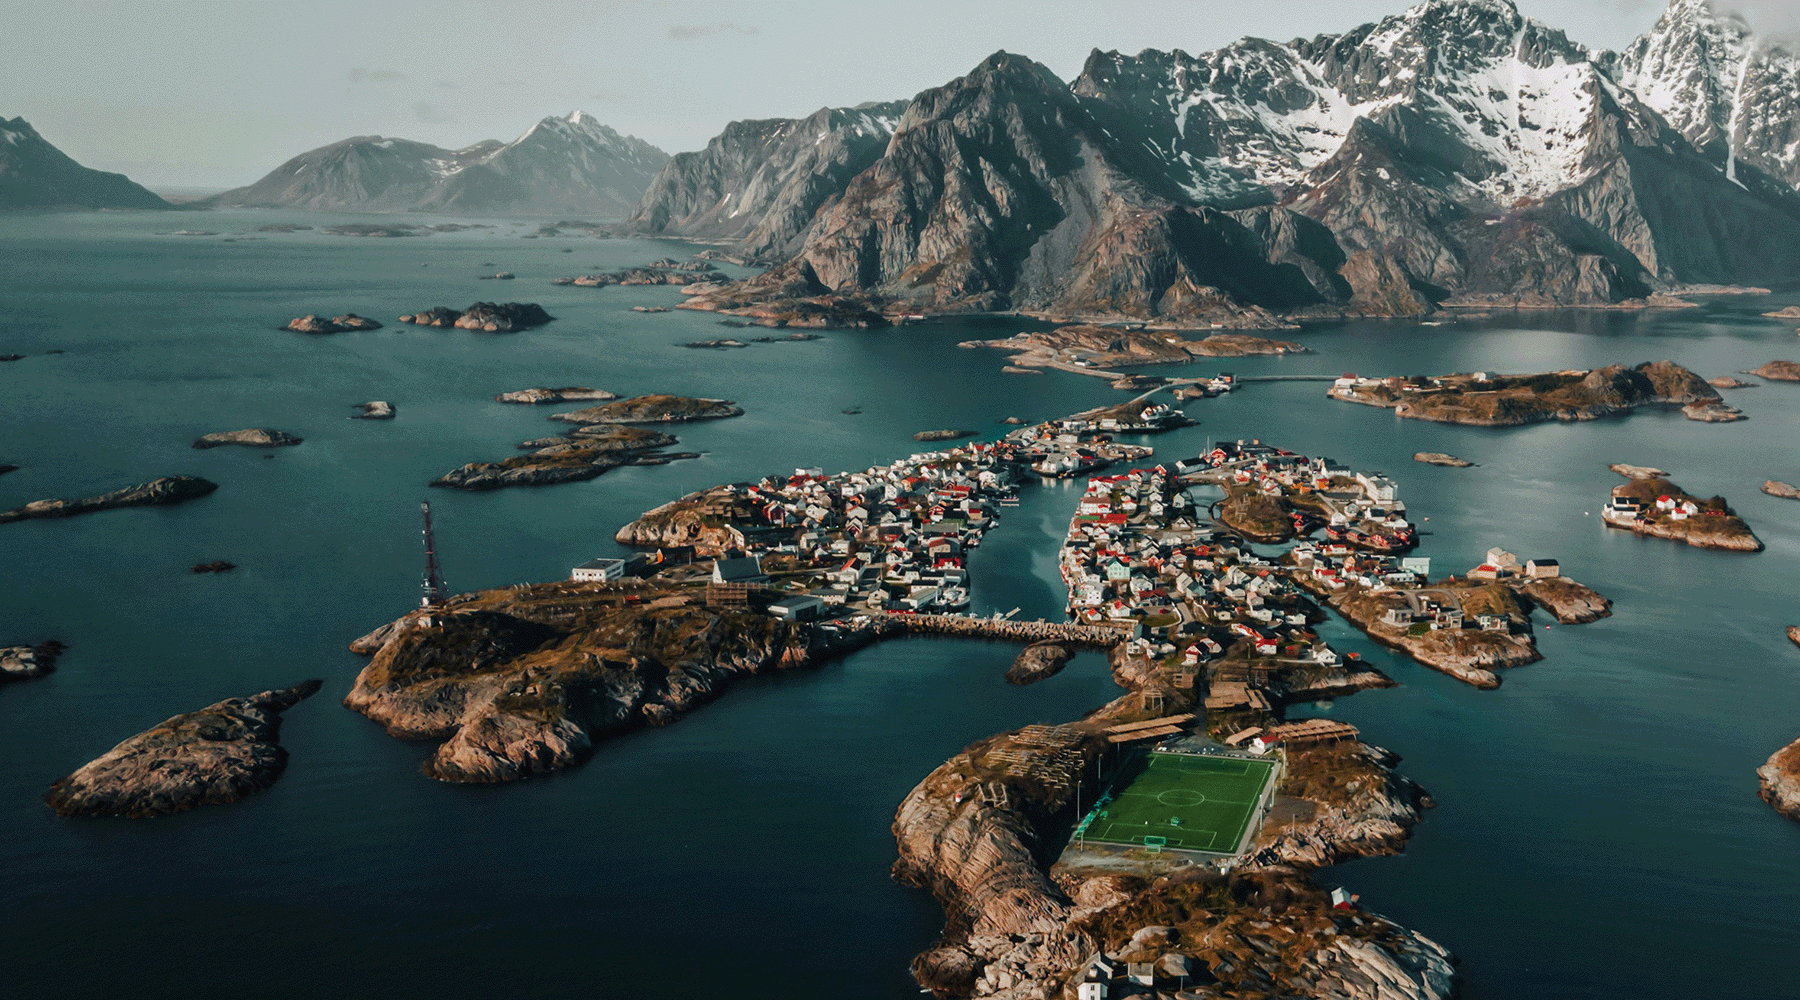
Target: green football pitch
1182,801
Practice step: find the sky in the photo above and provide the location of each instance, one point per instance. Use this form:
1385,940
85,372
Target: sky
209,95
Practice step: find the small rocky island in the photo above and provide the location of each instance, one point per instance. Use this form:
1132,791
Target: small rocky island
1439,458
652,409
1777,488
375,409
565,394
1779,371
218,754
19,663
1780,779
157,492
1105,346
1786,312
1650,504
313,323
1486,400
489,317
254,437
666,271
583,454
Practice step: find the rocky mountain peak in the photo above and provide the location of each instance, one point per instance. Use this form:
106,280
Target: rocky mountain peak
35,174
1734,96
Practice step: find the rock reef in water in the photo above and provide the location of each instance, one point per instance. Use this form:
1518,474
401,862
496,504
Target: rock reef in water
518,682
254,437
1780,778
565,394
946,434
216,566
376,409
1514,400
157,492
1439,458
1712,412
1728,382
313,323
585,454
489,317
652,409
1787,312
1039,661
218,754
1779,371
18,663
1777,488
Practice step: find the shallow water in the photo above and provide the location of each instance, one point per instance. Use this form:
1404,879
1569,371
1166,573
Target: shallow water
1597,832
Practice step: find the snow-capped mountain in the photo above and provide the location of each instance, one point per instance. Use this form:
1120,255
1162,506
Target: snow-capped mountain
1735,97
1456,151
571,164
762,182
564,164
35,174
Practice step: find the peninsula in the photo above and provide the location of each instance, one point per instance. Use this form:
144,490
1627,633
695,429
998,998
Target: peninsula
1487,400
217,754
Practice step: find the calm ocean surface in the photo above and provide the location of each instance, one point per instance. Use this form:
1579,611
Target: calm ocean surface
1597,834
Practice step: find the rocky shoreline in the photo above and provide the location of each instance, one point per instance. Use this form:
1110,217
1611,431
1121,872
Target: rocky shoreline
215,755
158,492
1106,346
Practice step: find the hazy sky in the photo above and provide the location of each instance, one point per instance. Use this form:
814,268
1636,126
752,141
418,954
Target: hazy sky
216,94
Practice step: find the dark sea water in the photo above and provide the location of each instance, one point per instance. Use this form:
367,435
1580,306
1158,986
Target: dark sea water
1597,834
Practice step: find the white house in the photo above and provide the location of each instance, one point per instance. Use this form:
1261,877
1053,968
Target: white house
598,570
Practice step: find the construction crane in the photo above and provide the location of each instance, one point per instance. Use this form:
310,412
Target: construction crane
434,588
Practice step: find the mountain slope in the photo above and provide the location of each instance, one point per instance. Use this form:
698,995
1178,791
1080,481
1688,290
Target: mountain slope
35,174
762,182
1456,152
561,165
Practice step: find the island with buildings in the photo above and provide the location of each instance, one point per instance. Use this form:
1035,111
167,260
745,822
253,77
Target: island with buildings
1649,504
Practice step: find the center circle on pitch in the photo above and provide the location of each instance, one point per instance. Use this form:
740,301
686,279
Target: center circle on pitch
1181,797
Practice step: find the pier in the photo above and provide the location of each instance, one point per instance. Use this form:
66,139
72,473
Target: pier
1095,636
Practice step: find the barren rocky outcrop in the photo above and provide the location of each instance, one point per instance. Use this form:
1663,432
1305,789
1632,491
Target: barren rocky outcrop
652,409
18,663
1439,458
375,409
1107,346
1779,371
253,437
485,316
701,520
566,394
1780,778
1039,661
313,323
1777,488
157,492
583,455
218,754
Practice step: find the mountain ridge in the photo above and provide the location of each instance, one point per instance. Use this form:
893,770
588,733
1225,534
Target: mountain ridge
36,174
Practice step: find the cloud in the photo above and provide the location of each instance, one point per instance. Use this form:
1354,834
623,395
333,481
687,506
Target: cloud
429,114
691,32
360,74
